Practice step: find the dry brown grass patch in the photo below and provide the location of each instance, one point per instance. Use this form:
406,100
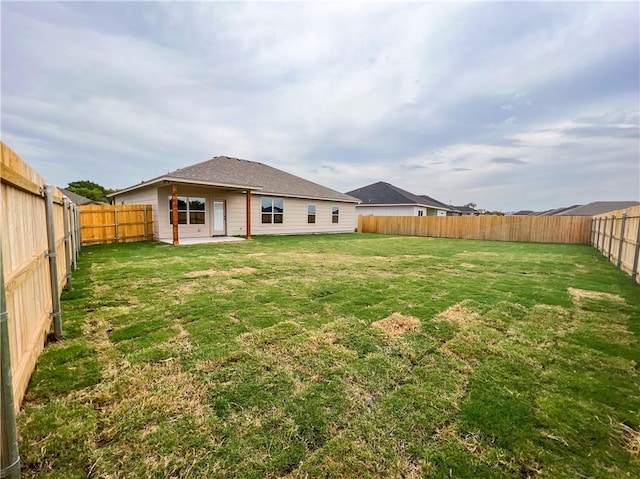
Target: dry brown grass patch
630,439
396,324
459,315
471,442
215,272
578,294
467,265
163,389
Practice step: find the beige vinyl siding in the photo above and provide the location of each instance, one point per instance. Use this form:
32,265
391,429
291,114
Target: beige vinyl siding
143,196
295,217
435,212
235,203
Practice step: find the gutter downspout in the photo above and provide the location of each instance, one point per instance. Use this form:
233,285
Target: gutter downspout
10,464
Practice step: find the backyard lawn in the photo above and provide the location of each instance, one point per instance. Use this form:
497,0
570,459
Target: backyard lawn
346,356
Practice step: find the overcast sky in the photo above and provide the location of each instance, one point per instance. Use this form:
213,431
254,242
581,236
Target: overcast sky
508,105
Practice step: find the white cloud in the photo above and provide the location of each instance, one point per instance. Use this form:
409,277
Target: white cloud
425,96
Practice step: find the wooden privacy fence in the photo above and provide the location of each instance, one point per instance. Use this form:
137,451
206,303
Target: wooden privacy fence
40,245
102,224
617,236
537,229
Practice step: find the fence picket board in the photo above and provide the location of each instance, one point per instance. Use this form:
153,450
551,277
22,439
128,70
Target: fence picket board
540,229
103,224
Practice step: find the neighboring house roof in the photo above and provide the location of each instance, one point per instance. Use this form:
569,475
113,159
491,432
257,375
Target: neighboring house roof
555,211
523,212
464,209
598,208
229,172
79,199
435,203
382,193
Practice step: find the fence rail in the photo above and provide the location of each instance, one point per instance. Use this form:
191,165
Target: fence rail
537,229
40,243
101,224
617,236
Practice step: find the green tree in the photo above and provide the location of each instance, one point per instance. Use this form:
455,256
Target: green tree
89,189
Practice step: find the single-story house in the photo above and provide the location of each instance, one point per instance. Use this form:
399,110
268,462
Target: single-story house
597,208
231,197
590,209
465,210
384,199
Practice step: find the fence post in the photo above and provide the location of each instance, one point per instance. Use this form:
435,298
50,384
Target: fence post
613,224
74,231
593,230
67,241
53,265
634,271
10,463
597,245
115,220
144,212
604,234
624,220
79,228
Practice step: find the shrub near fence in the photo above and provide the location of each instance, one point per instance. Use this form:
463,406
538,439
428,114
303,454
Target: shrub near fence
617,236
29,256
102,224
535,229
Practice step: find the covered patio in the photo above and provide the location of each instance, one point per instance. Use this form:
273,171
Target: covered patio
215,239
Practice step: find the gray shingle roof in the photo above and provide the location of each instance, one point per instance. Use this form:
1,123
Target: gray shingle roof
524,212
464,209
79,199
382,193
223,170
598,208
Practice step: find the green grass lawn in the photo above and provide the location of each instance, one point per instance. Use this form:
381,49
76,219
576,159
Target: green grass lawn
340,356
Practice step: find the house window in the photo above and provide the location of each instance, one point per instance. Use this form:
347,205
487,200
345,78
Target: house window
420,213
272,210
335,214
190,211
311,213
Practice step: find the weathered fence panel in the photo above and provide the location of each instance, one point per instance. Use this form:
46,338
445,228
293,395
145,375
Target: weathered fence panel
102,224
537,229
27,261
617,236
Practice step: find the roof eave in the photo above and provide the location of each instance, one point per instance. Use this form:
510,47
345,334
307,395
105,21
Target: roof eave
169,179
407,204
307,197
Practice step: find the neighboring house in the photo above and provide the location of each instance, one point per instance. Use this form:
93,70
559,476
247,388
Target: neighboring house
554,211
229,197
384,199
597,208
462,211
78,200
591,209
523,213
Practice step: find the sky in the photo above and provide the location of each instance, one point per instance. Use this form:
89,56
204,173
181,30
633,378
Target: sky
507,105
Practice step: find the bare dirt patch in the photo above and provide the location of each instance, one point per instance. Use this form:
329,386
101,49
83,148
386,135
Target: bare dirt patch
215,272
459,315
396,324
467,265
578,294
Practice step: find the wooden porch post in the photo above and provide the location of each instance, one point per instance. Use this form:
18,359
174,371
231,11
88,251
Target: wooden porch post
174,212
248,215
